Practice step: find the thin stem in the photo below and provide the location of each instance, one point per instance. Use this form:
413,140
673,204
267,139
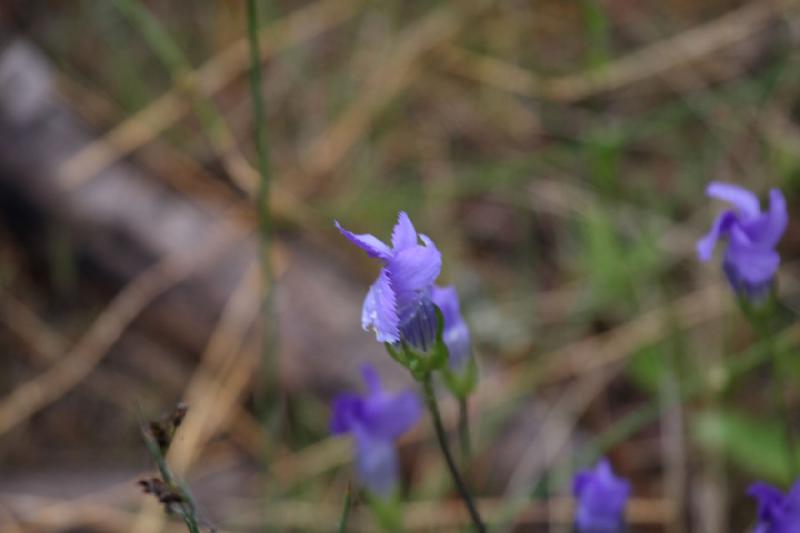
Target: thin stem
441,436
463,430
781,401
761,320
263,195
179,67
186,507
345,511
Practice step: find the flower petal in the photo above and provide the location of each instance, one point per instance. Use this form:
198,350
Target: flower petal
380,310
371,378
769,499
347,409
745,201
404,235
390,415
415,268
456,332
601,499
369,243
376,462
723,223
754,265
778,219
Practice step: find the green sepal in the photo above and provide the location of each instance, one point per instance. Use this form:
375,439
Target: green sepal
397,356
421,364
461,384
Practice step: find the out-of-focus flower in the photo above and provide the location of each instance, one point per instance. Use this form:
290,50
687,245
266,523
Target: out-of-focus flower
375,420
456,332
601,500
750,261
777,512
398,305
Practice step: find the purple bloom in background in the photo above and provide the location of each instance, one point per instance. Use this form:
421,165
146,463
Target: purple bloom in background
601,500
375,420
456,332
777,512
398,305
750,261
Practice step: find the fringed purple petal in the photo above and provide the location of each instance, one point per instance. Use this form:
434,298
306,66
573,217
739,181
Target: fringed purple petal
745,201
414,269
404,235
369,243
379,312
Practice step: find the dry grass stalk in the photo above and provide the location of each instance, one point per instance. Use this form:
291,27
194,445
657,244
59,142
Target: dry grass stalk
222,69
651,61
63,375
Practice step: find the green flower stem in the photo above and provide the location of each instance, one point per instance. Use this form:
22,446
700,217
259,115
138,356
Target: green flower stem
345,511
463,430
433,406
387,512
762,320
265,226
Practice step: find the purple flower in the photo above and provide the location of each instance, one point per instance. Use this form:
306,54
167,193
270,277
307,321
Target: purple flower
750,261
375,420
601,500
777,512
398,305
456,332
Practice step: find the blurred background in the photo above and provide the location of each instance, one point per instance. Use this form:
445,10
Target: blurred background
557,153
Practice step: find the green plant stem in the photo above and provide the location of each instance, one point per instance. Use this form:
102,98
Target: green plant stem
463,430
179,67
781,402
345,511
761,319
262,199
441,436
187,508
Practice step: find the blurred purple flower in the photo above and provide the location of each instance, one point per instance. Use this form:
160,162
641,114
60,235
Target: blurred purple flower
601,500
375,420
456,332
750,261
777,512
398,305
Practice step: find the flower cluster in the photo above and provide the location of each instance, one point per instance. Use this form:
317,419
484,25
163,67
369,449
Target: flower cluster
750,260
375,420
404,308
